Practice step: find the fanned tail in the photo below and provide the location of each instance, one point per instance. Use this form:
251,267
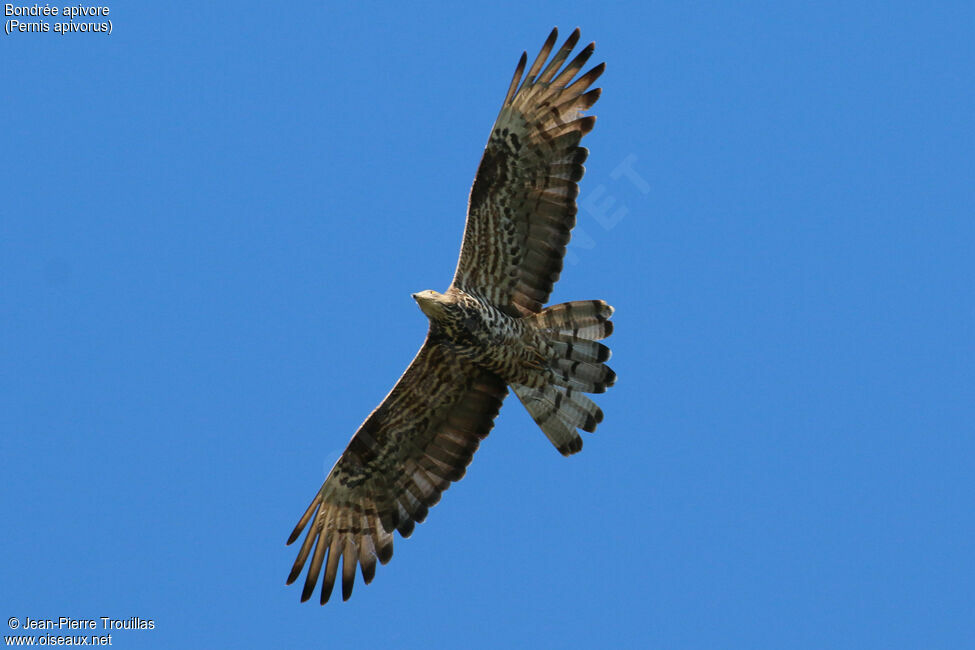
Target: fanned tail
577,366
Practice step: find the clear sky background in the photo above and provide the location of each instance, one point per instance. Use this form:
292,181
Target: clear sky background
211,223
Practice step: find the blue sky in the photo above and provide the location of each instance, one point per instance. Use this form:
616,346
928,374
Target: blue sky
212,221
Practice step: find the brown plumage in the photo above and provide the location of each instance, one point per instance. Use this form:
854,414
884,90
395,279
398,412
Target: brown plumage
522,205
488,331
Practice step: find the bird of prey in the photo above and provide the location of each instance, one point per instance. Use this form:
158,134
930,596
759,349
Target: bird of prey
488,331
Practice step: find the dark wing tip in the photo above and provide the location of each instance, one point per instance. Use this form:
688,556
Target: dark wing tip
294,535
385,552
406,527
542,56
571,41
368,570
305,518
516,78
295,572
307,591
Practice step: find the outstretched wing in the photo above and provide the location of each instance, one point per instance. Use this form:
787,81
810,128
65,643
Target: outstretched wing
396,466
522,204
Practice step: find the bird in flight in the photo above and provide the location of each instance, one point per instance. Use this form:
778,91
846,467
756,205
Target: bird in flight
488,331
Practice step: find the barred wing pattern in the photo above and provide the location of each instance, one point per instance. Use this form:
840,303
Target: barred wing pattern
523,201
406,453
425,432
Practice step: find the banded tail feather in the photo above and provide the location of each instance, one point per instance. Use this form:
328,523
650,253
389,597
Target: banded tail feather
577,366
583,319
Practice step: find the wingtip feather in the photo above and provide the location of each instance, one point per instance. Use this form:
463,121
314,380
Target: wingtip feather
295,534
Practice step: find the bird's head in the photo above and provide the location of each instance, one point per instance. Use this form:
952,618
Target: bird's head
431,303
